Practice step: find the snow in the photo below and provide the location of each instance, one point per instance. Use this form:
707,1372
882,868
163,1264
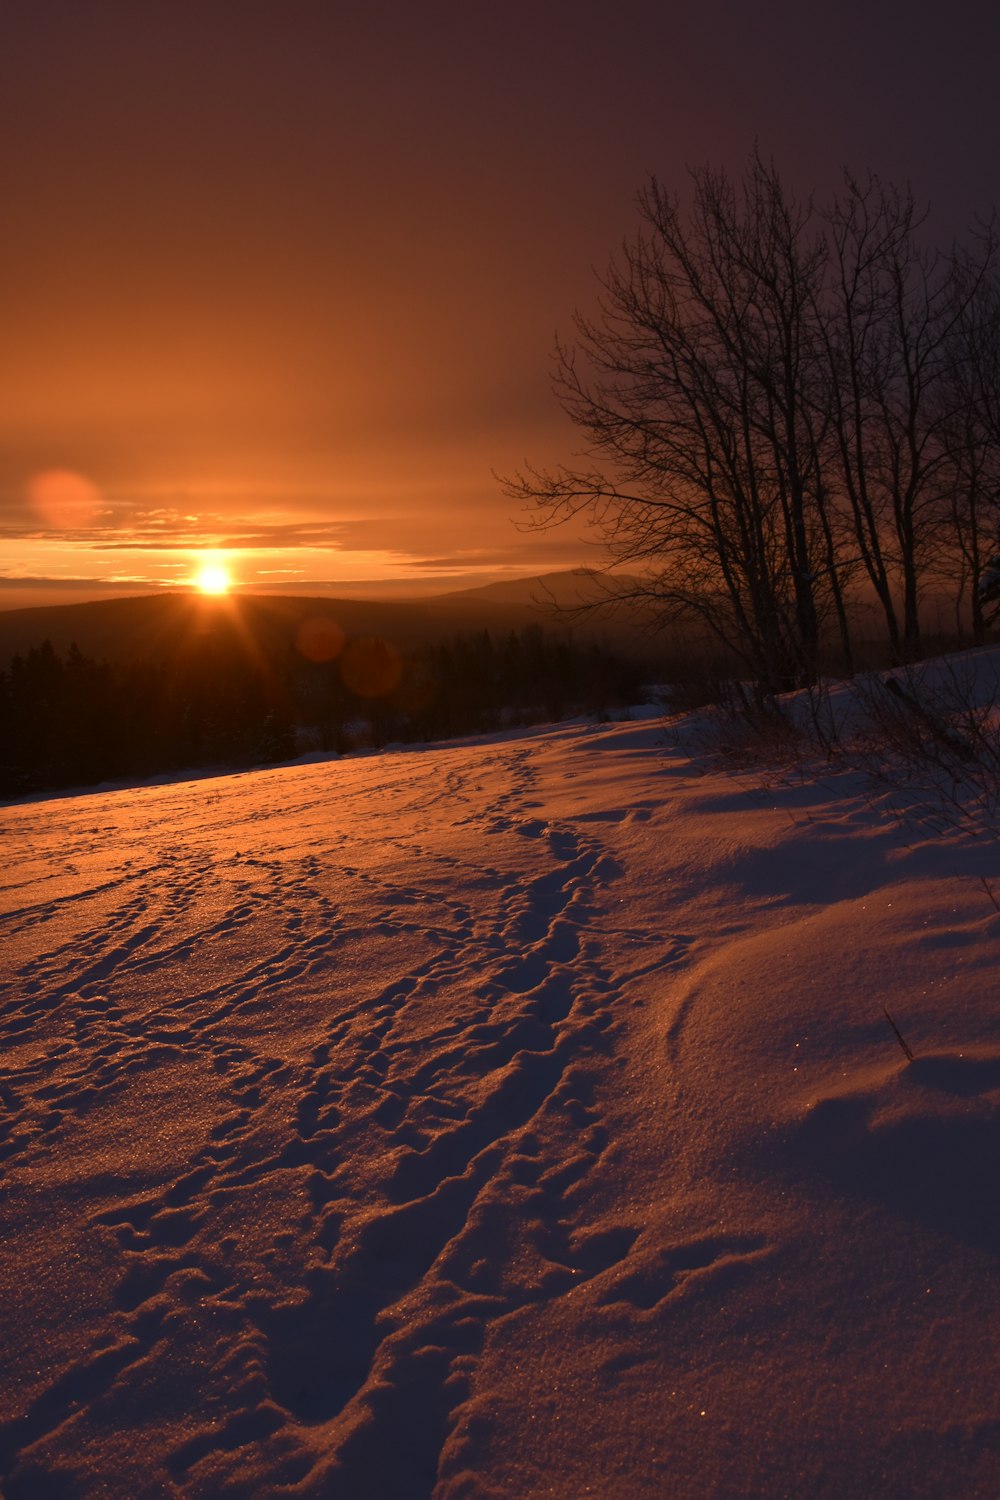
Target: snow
512,1118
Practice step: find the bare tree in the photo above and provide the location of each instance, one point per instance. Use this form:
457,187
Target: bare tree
694,388
893,315
772,399
972,434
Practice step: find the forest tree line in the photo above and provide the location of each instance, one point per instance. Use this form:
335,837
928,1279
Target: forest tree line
74,721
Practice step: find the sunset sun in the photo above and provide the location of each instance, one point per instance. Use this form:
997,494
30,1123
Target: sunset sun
213,578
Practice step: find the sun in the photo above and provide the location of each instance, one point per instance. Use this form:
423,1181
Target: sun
213,578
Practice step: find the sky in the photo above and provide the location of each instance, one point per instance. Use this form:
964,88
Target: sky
281,278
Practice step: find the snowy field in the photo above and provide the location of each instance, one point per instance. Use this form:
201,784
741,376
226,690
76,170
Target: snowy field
497,1121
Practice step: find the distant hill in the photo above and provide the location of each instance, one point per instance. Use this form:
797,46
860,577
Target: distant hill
157,627
546,592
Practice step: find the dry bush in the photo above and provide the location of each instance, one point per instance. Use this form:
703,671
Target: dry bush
931,736
925,738
745,728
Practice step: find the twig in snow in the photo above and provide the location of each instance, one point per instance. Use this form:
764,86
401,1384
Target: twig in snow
956,743
899,1035
989,891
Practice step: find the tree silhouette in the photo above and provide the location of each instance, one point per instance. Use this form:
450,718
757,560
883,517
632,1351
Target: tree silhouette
764,396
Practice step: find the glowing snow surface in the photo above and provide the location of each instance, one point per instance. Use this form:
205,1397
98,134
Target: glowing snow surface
506,1119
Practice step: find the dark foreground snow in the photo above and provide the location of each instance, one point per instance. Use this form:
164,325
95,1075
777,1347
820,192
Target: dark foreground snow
513,1119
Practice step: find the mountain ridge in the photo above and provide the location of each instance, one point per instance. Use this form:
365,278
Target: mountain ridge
155,625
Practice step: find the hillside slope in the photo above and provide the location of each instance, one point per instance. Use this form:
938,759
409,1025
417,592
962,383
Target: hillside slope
510,1119
156,626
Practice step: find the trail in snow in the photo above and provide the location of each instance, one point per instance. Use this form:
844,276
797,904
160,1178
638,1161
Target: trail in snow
459,1123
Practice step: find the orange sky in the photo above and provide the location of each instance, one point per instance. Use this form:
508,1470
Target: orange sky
284,279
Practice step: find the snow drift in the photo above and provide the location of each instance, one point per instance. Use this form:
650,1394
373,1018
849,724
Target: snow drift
506,1119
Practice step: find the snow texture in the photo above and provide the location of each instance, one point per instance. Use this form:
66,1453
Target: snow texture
500,1120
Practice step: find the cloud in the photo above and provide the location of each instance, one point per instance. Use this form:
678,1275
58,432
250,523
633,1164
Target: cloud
10,581
518,555
222,534
405,537
166,530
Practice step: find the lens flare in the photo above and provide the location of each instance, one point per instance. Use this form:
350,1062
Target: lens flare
319,638
64,500
371,667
